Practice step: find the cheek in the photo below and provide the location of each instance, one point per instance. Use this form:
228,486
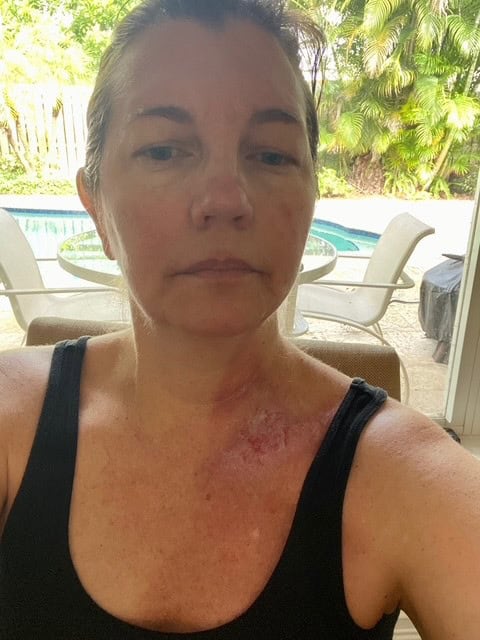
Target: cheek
144,210
145,225
291,231
296,213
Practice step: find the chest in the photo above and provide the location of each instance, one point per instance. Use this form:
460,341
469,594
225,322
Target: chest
167,547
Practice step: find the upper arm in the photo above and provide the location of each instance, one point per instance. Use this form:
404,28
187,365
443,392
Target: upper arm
23,378
434,518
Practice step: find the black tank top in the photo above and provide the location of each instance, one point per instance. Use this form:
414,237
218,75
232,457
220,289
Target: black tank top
41,597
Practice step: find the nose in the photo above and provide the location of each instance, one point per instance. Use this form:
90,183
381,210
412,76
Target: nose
222,200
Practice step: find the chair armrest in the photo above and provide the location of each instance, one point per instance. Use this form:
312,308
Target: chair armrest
31,292
407,283
363,255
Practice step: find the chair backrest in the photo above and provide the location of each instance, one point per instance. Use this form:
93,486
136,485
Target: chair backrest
390,255
19,270
52,329
378,364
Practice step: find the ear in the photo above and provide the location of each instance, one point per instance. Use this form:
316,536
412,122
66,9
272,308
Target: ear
90,203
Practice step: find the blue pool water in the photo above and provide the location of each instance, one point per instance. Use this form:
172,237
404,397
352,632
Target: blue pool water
45,230
343,238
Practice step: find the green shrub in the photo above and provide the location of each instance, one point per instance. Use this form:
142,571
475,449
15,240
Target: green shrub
400,184
10,169
440,188
331,185
14,180
37,186
465,185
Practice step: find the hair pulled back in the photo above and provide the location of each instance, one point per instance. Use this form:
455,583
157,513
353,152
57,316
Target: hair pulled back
292,30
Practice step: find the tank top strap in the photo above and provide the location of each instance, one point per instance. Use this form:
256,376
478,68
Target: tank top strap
317,533
43,499
327,478
338,450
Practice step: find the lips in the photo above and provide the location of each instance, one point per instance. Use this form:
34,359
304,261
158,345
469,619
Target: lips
215,266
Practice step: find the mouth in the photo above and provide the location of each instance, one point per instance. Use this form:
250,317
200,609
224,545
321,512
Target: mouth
217,268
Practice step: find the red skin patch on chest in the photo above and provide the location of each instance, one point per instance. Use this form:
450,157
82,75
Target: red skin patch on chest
268,432
270,437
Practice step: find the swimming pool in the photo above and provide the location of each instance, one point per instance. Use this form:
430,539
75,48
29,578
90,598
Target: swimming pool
45,230
344,239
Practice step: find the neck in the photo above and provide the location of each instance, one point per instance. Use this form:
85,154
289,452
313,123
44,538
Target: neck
196,375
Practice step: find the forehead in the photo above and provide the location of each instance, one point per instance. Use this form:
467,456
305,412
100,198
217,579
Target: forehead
236,67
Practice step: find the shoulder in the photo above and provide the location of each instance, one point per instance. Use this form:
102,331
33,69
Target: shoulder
408,444
23,376
423,494
411,458
23,381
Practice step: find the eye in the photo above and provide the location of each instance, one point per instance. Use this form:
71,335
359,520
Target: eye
163,153
275,158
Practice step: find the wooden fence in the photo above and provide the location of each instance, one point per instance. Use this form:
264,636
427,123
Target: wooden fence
45,125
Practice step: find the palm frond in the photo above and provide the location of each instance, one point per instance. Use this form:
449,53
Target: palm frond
429,94
429,64
460,163
326,140
378,12
430,30
349,27
379,46
461,111
353,87
424,134
349,130
382,141
372,108
465,35
395,78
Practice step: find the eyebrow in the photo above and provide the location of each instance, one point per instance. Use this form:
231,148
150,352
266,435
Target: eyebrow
182,116
266,116
177,114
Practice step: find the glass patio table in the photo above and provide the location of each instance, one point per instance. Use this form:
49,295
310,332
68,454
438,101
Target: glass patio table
82,255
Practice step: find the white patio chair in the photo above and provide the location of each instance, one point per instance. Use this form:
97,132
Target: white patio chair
363,304
28,296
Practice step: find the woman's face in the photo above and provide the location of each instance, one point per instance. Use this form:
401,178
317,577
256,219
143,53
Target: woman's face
206,182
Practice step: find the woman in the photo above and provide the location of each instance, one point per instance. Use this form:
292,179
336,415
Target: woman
217,489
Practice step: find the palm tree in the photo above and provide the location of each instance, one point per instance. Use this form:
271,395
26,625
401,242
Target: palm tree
403,87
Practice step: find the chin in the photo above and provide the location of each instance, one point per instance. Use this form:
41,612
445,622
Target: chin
210,318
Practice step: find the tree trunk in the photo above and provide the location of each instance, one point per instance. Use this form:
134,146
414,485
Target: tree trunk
29,170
